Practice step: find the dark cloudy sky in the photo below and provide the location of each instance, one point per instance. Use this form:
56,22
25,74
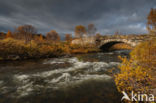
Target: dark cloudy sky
126,16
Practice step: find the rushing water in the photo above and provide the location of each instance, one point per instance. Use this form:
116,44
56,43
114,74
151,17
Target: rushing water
80,79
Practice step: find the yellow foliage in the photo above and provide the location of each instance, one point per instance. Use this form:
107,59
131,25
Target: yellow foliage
41,38
151,21
138,73
11,47
132,77
9,34
80,30
145,54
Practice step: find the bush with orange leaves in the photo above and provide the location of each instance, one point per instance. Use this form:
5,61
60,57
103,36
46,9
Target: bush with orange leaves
138,73
12,49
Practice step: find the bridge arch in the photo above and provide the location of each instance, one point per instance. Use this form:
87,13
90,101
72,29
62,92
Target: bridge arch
106,44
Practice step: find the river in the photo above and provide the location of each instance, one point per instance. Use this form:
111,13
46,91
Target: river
83,78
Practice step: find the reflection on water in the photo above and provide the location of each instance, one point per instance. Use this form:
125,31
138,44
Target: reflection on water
80,79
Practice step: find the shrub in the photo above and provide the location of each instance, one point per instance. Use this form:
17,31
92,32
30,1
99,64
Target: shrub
11,48
132,78
138,73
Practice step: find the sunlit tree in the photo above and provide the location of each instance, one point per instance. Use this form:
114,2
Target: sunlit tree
41,38
25,32
80,31
53,35
151,21
68,37
9,34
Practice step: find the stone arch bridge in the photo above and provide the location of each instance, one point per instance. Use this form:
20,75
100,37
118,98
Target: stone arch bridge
107,41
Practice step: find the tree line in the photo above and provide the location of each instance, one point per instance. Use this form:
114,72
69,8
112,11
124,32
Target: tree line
29,32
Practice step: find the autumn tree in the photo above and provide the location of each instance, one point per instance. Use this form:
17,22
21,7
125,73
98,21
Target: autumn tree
68,37
53,35
80,31
91,29
151,21
9,34
25,32
41,38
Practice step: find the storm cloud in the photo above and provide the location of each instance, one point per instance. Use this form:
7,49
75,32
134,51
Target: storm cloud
126,16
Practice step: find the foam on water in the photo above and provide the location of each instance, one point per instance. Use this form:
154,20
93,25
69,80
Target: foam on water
78,72
21,77
64,76
78,80
114,63
55,61
76,64
1,83
25,89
